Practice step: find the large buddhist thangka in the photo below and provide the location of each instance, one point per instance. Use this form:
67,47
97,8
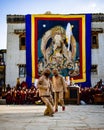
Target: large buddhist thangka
59,49
58,41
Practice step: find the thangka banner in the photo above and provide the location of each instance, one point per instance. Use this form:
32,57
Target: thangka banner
59,41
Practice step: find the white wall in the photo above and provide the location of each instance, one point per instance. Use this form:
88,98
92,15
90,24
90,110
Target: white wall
97,54
14,55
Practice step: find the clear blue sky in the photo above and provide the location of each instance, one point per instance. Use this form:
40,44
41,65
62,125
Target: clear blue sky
40,7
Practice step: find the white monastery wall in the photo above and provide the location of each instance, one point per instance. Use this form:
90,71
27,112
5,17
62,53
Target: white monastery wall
14,55
97,54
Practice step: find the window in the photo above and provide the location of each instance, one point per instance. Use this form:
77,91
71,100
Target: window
22,71
94,69
1,59
22,44
95,40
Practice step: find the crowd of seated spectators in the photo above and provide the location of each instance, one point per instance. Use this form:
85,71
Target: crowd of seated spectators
88,94
91,94
21,94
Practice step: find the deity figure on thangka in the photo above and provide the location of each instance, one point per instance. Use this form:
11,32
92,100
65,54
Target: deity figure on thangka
59,50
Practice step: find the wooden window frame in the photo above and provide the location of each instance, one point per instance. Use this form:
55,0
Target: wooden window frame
95,40
94,69
22,70
22,44
95,44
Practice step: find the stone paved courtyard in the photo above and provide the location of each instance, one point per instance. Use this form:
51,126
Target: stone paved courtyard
30,117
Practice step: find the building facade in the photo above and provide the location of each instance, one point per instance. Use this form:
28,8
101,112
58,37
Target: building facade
2,70
16,49
97,48
16,59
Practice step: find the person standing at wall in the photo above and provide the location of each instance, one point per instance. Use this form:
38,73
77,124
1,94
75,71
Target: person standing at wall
59,87
44,87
